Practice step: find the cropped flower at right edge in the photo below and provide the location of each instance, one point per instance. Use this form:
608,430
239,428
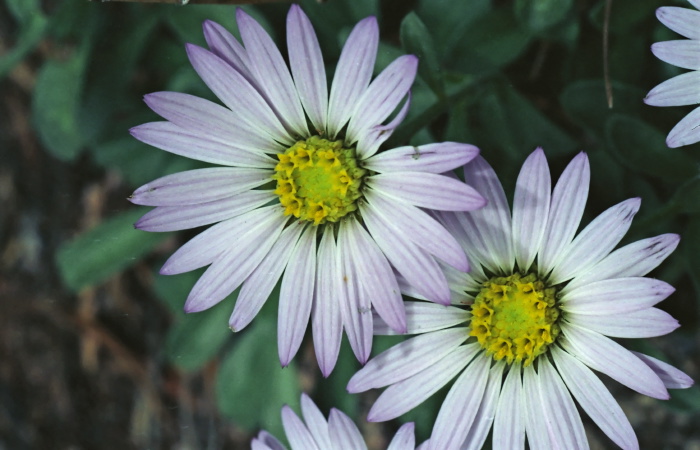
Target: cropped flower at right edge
542,302
683,89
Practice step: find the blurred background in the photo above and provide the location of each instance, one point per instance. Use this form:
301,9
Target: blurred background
95,351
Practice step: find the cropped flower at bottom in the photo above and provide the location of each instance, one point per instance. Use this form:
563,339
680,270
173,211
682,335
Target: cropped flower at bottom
542,304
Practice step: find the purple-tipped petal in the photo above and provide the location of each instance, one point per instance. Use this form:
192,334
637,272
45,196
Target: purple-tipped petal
344,432
297,433
432,158
671,377
271,74
686,132
266,441
306,62
259,285
568,202
616,296
326,317
678,91
424,317
649,322
404,439
509,423
595,399
533,192
683,21
296,296
194,145
224,45
352,74
682,53
315,422
609,357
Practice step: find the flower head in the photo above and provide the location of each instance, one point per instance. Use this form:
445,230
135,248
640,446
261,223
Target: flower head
542,303
683,89
336,433
317,203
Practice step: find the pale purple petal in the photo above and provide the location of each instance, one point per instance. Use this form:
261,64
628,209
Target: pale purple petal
377,277
405,395
199,186
533,192
326,317
633,260
568,202
671,377
487,410
210,120
230,269
271,73
686,132
695,3
421,229
425,317
595,399
406,359
609,357
533,410
457,295
649,322
509,423
432,158
224,45
416,265
681,53
404,439
344,432
195,145
683,21
427,190
259,285
562,418
204,248
678,91
352,74
298,435
490,225
370,141
296,296
382,96
237,93
171,218
472,240
266,441
306,62
616,296
459,408
315,422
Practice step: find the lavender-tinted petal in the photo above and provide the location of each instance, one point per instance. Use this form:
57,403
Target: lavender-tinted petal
326,317
296,296
686,132
568,202
298,435
648,322
463,228
433,158
224,45
370,141
404,439
671,377
681,53
315,422
479,430
266,441
259,285
352,74
595,399
425,317
344,432
616,296
683,21
306,62
533,192
509,423
194,145
677,91
633,260
609,357
406,359
271,74
533,410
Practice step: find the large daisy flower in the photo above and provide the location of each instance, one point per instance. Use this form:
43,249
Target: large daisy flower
542,303
314,432
303,190
683,89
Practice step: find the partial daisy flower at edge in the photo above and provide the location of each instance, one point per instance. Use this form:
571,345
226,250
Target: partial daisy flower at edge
319,204
681,89
542,303
315,432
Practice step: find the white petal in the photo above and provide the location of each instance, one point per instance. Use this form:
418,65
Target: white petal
616,296
224,45
424,317
315,422
648,322
487,410
344,432
671,377
509,423
404,439
678,91
681,53
433,158
686,132
298,435
683,21
533,410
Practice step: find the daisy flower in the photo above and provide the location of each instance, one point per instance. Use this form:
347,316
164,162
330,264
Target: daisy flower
542,303
302,189
683,89
337,433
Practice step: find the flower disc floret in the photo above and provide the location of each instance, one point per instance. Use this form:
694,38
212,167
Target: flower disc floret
318,180
515,318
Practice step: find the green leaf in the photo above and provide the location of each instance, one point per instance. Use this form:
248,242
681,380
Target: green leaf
105,250
251,386
187,21
31,33
541,14
416,39
642,148
624,14
23,10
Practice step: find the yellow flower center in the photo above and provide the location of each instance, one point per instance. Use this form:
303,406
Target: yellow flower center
515,318
318,180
